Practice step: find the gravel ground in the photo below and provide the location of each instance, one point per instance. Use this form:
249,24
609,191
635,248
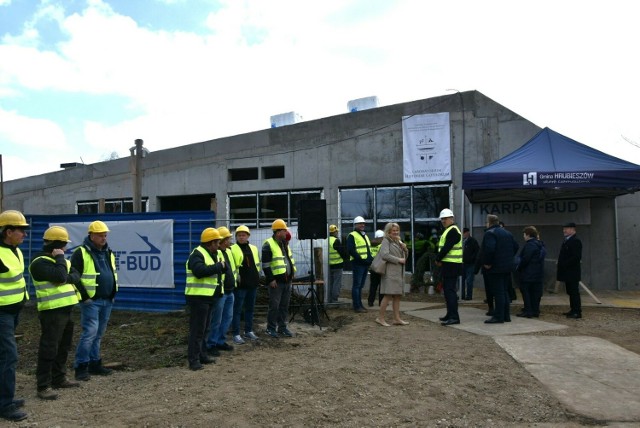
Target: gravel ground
352,373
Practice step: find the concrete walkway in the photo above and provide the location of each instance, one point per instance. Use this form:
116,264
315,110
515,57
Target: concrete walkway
590,376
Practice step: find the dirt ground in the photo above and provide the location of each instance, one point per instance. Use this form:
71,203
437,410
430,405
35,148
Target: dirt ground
350,373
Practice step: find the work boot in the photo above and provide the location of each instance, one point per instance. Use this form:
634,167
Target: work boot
66,383
47,394
82,372
96,368
11,413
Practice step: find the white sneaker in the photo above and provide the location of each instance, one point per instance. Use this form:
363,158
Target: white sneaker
238,340
251,335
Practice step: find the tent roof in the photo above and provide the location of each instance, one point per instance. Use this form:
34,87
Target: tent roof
551,166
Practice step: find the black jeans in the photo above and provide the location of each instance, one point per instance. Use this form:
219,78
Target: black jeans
55,342
278,311
374,283
450,288
498,283
531,295
573,290
488,293
199,322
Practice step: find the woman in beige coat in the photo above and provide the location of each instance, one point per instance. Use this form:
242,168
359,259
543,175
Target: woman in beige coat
394,252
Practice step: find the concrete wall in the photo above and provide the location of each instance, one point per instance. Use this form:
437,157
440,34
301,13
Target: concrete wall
353,149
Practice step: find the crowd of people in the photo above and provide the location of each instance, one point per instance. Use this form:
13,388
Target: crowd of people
222,281
220,291
89,278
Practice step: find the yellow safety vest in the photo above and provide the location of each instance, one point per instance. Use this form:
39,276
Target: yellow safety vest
202,286
238,255
334,256
234,268
278,265
362,244
374,250
52,296
89,276
13,287
455,253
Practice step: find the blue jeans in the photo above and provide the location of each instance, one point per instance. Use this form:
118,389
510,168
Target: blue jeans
469,274
8,358
244,298
220,320
94,317
335,284
359,278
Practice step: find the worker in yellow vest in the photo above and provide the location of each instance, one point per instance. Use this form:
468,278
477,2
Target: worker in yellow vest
98,286
246,258
279,269
223,309
54,279
13,295
204,270
359,249
449,259
337,257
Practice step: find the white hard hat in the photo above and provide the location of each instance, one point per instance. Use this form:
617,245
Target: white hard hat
446,213
379,234
358,219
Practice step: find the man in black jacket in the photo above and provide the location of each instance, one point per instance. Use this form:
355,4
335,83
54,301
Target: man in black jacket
498,251
470,250
54,280
449,259
569,271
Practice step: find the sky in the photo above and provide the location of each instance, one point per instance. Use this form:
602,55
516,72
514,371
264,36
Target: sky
81,80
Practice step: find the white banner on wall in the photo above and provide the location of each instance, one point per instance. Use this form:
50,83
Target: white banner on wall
534,213
143,250
426,143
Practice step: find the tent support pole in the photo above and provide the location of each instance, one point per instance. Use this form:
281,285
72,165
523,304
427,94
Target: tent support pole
616,233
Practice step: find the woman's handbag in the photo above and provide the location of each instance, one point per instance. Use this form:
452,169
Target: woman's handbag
378,265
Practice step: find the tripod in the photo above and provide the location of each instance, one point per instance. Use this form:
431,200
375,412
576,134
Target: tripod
315,306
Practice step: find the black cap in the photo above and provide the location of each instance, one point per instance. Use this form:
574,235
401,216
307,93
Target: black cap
570,224
465,229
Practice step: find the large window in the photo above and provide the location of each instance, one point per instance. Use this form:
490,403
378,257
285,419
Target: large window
414,208
110,206
262,208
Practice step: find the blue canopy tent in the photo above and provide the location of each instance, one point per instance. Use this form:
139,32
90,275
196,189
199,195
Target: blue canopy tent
551,166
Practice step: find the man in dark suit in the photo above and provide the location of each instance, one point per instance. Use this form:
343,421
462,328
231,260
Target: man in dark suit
470,251
497,252
568,271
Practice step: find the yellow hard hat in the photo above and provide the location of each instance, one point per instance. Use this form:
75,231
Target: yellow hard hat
209,234
224,232
56,233
13,218
243,228
333,228
98,227
279,224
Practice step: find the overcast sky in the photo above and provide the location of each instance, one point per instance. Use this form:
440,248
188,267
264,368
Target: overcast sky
81,79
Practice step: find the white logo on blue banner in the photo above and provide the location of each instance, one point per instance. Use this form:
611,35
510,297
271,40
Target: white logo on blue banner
143,250
530,179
